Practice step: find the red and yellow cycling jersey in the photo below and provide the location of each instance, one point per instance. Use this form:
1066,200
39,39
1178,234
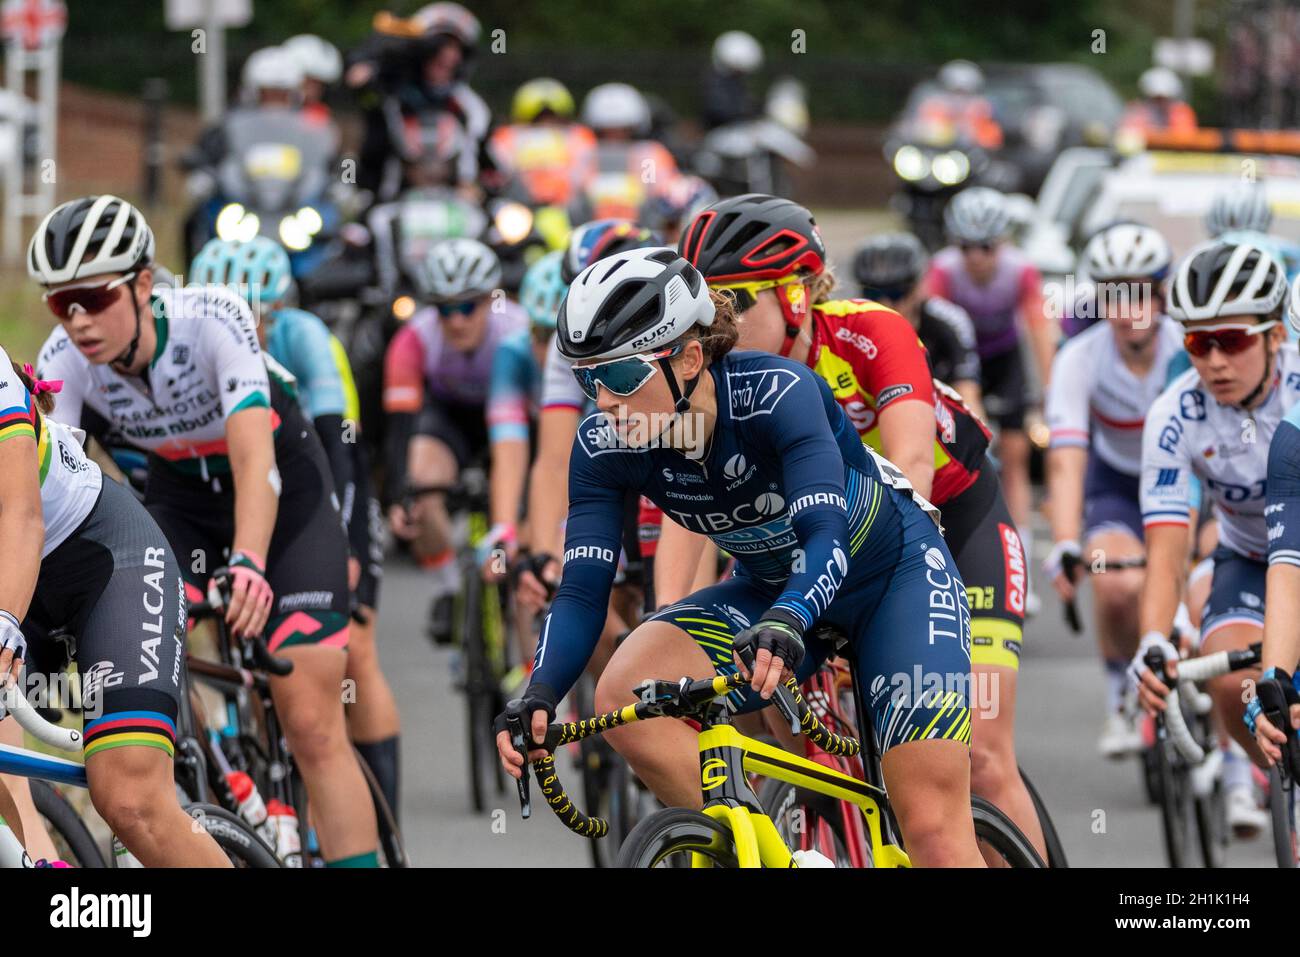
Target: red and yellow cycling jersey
871,357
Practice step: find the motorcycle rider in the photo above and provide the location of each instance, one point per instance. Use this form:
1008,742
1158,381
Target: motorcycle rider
727,97
960,104
410,74
630,167
322,67
553,155
1161,105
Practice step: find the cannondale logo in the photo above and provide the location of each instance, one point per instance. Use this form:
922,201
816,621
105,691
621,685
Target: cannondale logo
735,466
934,558
769,503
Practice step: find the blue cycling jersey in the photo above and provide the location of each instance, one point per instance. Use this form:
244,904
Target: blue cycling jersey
514,389
786,486
301,342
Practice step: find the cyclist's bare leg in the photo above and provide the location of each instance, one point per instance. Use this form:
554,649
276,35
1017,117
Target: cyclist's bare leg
38,842
134,791
929,790
1228,691
430,462
1013,454
373,715
309,705
664,754
994,773
10,815
1115,593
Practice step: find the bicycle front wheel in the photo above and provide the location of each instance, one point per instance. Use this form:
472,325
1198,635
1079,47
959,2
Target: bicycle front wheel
233,836
1176,810
1055,850
478,693
670,838
71,837
995,832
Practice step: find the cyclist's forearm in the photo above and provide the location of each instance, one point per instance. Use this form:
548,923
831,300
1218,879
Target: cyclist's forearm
1162,585
257,481
1043,336
548,499
1065,469
1282,618
400,428
509,474
572,627
677,558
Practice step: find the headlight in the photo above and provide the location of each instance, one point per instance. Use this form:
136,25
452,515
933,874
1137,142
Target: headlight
310,220
514,221
228,221
293,234
403,308
950,168
910,163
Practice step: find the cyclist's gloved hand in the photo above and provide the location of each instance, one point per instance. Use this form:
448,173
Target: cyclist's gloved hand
13,649
1152,689
776,642
536,709
250,594
1276,693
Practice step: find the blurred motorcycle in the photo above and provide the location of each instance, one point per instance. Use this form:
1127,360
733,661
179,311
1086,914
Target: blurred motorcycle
275,179
753,155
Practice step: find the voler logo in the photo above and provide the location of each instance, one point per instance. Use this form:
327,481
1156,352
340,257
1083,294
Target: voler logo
1250,600
878,684
735,466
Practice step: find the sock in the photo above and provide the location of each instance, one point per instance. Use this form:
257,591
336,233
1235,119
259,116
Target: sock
1116,683
369,859
381,758
1236,768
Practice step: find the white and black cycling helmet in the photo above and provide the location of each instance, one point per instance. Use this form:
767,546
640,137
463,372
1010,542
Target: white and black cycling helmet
271,68
632,302
889,265
1160,83
977,215
1126,251
457,270
961,76
1226,279
317,58
737,52
616,106
1243,207
91,236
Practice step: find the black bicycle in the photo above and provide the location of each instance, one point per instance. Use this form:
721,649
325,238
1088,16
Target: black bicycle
1283,806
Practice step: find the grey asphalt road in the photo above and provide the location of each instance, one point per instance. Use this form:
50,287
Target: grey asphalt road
1098,805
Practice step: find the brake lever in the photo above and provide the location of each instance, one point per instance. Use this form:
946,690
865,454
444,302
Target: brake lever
518,741
781,697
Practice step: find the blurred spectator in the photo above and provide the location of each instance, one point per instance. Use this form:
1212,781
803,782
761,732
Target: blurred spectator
1161,105
322,67
960,107
737,56
630,168
552,155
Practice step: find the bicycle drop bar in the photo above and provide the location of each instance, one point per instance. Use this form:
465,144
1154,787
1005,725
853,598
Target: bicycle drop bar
214,609
1190,672
781,697
65,739
515,728
1070,564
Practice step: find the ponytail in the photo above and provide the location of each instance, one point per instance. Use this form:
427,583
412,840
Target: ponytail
720,338
43,398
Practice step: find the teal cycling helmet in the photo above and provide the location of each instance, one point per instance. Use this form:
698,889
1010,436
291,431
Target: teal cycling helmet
543,290
260,267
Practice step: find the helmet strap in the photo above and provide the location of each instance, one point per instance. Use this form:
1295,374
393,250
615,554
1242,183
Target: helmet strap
1268,374
128,355
793,298
681,399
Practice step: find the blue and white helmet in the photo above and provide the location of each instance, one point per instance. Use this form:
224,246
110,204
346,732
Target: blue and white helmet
542,290
1126,251
258,269
1243,207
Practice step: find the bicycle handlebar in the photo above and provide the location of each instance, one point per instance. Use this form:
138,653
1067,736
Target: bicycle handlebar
1190,672
686,698
65,739
214,608
1071,564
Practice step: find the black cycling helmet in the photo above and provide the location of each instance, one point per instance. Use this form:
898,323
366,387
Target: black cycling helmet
889,265
753,237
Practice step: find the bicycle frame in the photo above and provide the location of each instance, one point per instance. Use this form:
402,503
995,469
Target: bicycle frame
726,756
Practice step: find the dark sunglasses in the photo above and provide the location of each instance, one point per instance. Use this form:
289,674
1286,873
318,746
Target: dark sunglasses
621,376
448,309
984,247
1230,340
89,299
888,293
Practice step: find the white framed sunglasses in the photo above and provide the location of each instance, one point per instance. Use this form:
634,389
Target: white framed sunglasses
622,376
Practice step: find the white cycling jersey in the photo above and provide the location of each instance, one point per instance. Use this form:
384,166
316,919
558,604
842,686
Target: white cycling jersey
560,390
1095,401
70,482
207,365
1187,432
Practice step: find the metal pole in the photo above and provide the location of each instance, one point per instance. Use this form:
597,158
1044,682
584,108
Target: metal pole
14,161
212,66
155,94
48,85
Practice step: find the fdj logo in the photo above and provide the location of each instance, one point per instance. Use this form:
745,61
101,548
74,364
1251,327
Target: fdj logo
713,773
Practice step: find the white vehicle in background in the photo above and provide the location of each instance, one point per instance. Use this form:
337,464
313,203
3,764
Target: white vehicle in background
1169,186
